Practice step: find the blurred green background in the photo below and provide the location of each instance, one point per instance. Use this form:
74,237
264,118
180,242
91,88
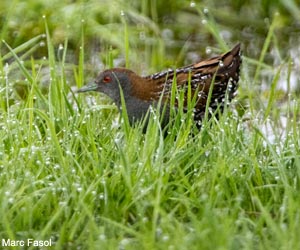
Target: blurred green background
174,28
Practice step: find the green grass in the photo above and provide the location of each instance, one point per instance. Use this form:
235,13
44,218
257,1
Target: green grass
68,172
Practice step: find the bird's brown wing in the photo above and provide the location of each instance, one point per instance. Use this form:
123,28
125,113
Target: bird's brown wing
221,71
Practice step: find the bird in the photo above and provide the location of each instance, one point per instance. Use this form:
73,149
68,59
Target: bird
212,82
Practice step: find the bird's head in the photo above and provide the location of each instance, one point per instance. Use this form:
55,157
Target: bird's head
109,82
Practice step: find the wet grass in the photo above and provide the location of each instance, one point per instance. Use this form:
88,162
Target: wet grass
70,171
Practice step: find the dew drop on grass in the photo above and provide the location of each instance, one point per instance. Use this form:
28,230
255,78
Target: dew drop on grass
123,243
142,35
239,198
62,203
204,21
204,197
159,232
165,238
283,226
205,10
6,68
101,196
54,190
282,209
117,140
207,153
192,4
102,237
50,184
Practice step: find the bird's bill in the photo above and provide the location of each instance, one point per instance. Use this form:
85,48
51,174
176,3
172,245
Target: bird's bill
88,87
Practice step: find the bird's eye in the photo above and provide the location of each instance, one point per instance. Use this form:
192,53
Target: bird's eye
107,79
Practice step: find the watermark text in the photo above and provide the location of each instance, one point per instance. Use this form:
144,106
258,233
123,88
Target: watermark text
26,243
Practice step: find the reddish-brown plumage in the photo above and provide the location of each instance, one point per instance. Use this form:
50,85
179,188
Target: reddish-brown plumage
141,92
